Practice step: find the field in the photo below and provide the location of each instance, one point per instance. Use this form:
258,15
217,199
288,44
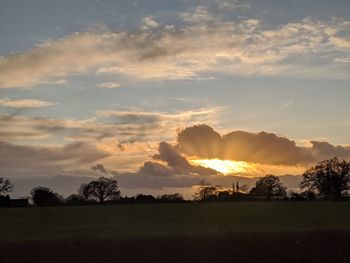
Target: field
191,232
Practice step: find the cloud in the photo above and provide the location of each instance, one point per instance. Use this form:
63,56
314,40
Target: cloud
262,148
25,103
342,60
129,126
20,160
109,85
201,43
341,42
99,167
200,141
197,15
155,169
179,164
324,150
169,167
149,22
231,5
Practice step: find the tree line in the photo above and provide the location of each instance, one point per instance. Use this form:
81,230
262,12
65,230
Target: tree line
329,179
100,191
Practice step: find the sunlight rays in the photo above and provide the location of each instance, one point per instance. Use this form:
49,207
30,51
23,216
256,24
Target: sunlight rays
223,166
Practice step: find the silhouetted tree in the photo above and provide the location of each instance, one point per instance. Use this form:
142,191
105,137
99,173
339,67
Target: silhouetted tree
75,199
145,198
83,191
43,196
224,196
243,188
236,189
5,186
268,187
209,193
308,195
294,196
5,200
101,190
329,177
171,198
204,190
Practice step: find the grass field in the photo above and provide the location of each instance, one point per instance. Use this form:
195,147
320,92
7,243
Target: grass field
287,231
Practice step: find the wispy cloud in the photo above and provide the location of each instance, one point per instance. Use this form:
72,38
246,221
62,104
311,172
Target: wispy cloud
49,160
109,85
232,5
25,103
127,125
203,43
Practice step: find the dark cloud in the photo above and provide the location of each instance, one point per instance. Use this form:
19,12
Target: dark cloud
178,163
168,168
99,167
155,169
168,154
324,150
144,118
33,160
204,142
266,148
201,141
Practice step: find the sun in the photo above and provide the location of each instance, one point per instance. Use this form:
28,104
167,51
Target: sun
222,166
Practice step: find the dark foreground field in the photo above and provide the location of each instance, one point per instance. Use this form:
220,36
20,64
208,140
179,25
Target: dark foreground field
215,232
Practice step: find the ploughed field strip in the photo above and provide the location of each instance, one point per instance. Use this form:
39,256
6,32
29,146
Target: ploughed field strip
288,231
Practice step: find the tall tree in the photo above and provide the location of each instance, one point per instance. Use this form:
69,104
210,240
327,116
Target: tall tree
101,189
268,187
233,187
5,186
330,178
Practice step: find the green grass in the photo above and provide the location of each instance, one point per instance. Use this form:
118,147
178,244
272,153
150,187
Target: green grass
157,220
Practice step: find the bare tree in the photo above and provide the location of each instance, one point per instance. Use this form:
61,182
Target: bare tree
101,189
83,191
329,177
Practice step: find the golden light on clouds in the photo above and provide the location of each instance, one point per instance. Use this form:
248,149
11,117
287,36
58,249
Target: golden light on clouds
223,166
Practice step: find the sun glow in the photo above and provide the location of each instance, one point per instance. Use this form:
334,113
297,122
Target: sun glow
223,166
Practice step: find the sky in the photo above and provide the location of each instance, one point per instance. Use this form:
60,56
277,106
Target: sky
163,94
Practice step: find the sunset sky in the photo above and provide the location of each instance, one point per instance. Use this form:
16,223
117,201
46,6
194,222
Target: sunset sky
161,94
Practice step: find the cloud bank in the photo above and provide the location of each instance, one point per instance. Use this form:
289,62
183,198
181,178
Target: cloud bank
168,166
204,43
203,142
